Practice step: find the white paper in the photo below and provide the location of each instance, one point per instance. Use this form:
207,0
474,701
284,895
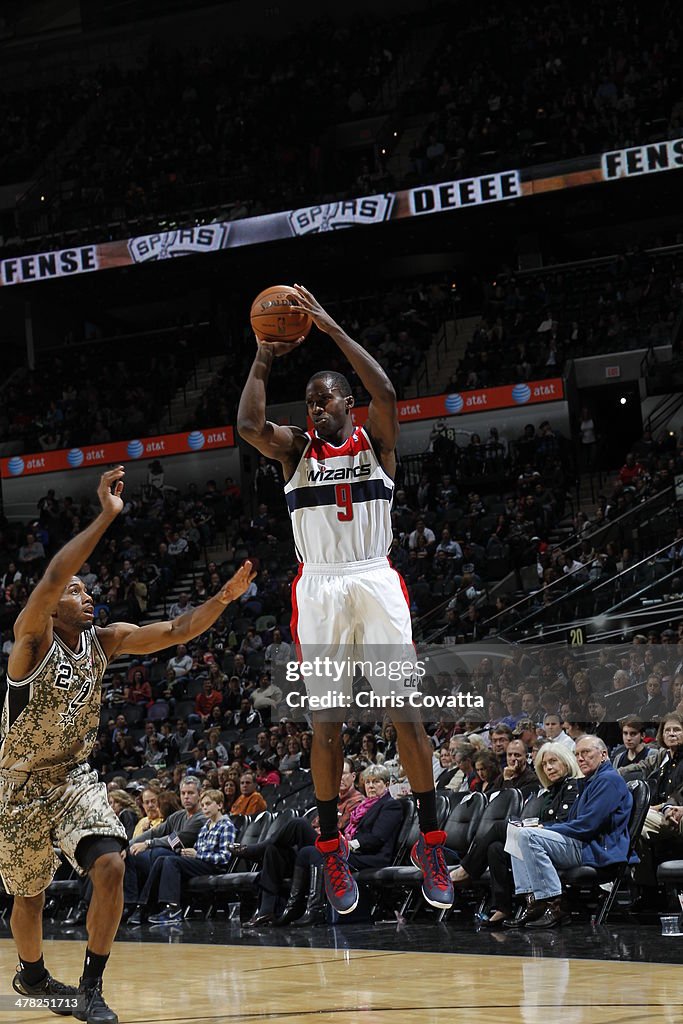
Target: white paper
512,841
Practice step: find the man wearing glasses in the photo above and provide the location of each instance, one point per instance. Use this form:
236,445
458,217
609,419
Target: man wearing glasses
595,833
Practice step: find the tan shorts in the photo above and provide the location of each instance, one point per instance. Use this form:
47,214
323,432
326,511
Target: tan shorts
37,815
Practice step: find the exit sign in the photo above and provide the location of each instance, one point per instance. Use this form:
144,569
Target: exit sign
612,371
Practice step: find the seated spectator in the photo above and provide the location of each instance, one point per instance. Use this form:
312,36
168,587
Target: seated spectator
552,727
518,774
183,825
204,703
633,750
290,762
152,814
250,800
369,752
513,703
489,773
210,855
371,833
181,742
268,772
214,742
181,662
662,769
607,731
230,794
655,704
31,554
500,737
266,697
246,717
557,770
183,604
595,833
126,755
138,690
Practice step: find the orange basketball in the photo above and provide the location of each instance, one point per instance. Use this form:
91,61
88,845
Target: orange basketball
276,316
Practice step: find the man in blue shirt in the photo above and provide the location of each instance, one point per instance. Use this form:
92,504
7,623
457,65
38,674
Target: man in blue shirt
210,855
595,833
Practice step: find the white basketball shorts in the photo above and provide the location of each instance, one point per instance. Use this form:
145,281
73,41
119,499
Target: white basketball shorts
355,614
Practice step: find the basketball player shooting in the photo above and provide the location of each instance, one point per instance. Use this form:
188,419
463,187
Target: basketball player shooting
346,594
49,796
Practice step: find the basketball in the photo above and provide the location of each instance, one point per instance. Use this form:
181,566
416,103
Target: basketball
276,316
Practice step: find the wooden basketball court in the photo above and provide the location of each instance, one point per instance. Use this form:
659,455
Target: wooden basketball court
169,983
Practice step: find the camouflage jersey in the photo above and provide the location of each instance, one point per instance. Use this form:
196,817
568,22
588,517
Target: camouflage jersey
51,718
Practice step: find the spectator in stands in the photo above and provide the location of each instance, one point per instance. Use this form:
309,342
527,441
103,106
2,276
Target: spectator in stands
518,774
655,704
152,813
139,690
266,697
630,471
369,752
247,717
607,731
184,825
371,832
182,741
500,737
290,762
633,750
594,833
183,604
31,554
181,662
663,771
204,703
230,794
126,755
558,771
513,703
552,727
250,800
489,772
210,855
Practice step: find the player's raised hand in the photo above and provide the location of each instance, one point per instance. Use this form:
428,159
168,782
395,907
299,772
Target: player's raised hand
278,348
321,318
236,586
110,490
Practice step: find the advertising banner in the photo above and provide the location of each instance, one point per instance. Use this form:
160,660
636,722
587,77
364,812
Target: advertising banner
508,396
421,201
118,451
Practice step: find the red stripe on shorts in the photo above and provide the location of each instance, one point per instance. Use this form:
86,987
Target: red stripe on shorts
294,622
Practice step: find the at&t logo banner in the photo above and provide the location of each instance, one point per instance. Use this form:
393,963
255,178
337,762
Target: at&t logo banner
120,451
467,402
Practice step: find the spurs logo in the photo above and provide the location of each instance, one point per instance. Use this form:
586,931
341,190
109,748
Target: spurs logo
330,216
184,242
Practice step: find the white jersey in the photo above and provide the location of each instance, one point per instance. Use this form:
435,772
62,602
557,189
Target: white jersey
339,501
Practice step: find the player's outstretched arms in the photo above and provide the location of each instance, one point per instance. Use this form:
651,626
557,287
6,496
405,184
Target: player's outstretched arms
382,422
125,638
36,617
284,443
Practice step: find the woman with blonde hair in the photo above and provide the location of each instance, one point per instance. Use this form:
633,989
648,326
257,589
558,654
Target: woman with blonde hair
558,772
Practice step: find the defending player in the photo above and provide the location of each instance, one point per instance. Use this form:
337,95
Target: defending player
49,796
346,595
